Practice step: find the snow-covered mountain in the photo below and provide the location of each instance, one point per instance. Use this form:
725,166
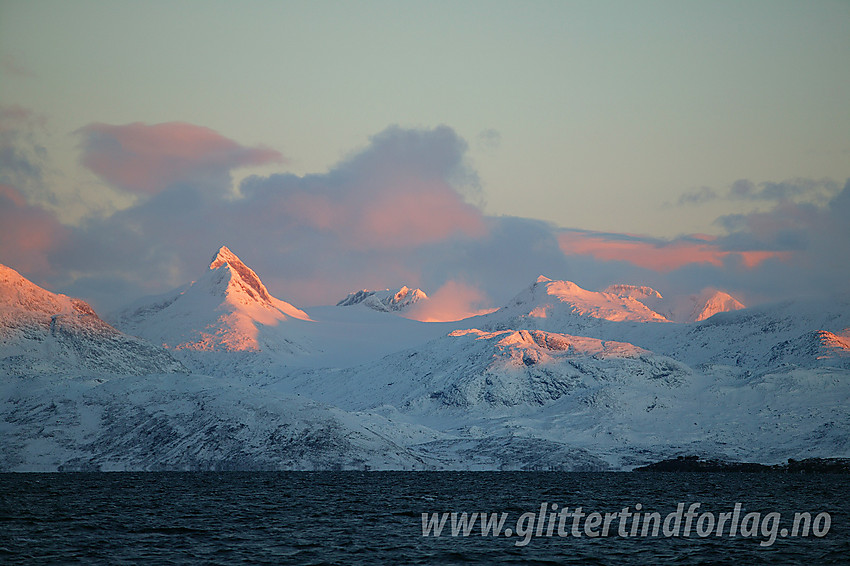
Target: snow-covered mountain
43,332
386,300
546,298
819,348
560,377
77,394
640,292
227,309
710,302
691,308
474,370
564,307
700,306
156,422
756,340
753,384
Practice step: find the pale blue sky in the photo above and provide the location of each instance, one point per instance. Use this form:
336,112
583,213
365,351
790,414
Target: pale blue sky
630,127
605,111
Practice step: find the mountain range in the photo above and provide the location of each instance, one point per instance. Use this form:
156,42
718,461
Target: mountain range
220,374
385,300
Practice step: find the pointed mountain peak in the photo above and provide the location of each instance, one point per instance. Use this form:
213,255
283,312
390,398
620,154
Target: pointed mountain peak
224,255
242,275
542,279
228,308
408,296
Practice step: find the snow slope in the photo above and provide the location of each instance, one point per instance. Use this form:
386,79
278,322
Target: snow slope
545,298
759,339
698,307
641,293
227,324
691,308
764,384
595,403
228,309
710,302
43,332
156,422
474,369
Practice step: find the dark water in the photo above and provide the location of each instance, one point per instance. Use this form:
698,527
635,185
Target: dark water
375,518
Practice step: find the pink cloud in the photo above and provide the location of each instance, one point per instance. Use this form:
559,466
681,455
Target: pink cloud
390,217
655,255
393,218
417,216
396,194
142,158
27,234
453,301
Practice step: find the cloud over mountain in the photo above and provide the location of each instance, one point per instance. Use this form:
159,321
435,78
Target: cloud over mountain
398,211
363,222
401,191
656,254
147,159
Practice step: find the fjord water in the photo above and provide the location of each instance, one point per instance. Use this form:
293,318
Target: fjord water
376,517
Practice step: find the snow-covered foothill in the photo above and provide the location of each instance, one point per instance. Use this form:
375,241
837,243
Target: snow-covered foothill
43,332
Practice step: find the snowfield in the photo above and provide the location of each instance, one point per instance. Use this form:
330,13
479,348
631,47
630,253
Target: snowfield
219,374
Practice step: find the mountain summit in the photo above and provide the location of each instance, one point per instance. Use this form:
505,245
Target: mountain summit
246,280
228,308
386,300
692,308
545,298
45,333
230,278
710,302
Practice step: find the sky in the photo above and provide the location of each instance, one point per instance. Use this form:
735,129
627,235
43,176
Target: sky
461,147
